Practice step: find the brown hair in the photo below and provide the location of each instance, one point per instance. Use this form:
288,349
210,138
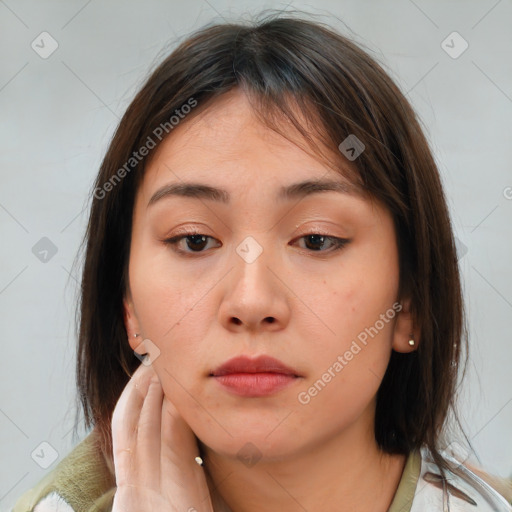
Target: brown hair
280,63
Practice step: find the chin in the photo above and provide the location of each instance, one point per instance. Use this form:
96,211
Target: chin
252,445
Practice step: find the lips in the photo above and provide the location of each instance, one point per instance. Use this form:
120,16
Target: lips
261,364
258,377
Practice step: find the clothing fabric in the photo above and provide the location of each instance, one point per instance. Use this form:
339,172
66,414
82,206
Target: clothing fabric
83,482
421,488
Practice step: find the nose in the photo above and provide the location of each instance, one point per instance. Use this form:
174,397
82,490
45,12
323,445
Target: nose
256,297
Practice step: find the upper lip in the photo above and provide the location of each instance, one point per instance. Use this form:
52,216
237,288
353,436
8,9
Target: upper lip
260,364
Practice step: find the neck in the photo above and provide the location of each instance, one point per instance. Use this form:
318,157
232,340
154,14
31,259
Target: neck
344,473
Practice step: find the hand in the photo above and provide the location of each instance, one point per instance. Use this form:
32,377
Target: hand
154,451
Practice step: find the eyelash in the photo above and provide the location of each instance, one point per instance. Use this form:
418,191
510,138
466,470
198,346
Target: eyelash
338,243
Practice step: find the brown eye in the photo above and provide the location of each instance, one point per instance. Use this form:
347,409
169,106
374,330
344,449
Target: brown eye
317,242
194,243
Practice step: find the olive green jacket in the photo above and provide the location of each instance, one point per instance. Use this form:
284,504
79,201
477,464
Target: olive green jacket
83,482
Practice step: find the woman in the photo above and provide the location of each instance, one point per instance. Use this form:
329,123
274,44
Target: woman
270,237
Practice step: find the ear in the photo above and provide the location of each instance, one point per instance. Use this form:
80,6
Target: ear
405,330
132,326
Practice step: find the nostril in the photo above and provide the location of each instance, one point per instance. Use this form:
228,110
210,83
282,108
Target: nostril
268,319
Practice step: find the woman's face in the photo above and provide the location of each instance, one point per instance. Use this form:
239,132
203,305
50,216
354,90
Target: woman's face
263,281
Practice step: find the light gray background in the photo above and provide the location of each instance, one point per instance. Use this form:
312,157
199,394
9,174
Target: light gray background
57,116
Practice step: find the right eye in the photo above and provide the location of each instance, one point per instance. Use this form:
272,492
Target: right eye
196,242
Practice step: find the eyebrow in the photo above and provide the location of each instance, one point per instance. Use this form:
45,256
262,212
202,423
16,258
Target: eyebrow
289,192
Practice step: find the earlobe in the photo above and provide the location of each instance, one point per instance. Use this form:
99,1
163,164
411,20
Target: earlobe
406,334
131,324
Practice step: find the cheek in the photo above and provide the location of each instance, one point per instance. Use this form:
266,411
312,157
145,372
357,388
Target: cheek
174,314
348,368
164,300
350,303
352,353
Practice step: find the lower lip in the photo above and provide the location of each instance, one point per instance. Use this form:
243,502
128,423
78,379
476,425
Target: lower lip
255,384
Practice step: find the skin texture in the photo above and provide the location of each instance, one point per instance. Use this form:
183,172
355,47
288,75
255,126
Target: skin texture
200,309
152,444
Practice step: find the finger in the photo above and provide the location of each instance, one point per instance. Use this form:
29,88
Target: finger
178,439
125,421
179,445
149,440
185,480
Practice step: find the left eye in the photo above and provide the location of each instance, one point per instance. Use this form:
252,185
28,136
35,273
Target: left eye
315,242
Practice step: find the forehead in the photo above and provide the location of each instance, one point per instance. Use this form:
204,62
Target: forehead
225,143
227,127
